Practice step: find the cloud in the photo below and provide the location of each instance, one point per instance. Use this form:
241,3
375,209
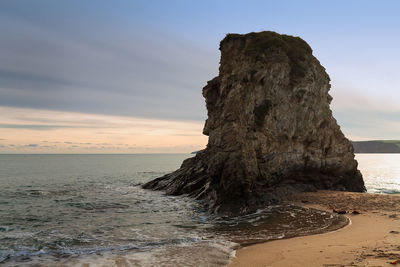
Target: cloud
345,99
32,145
92,133
57,73
34,126
109,73
48,146
364,117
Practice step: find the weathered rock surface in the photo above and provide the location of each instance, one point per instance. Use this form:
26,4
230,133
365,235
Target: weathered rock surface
270,129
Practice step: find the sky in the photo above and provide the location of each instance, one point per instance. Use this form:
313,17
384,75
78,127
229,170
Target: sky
119,76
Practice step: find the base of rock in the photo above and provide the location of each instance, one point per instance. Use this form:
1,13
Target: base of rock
196,179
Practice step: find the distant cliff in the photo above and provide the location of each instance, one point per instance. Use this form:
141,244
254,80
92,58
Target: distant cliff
378,146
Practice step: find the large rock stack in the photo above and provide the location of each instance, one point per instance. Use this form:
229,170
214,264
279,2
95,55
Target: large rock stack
270,129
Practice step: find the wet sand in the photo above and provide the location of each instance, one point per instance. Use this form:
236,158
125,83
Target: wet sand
371,239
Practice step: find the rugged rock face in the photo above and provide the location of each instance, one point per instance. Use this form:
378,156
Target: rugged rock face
270,129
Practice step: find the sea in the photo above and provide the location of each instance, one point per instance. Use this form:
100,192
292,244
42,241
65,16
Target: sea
89,210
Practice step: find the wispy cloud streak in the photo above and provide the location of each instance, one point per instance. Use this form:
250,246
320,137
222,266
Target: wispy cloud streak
46,131
119,72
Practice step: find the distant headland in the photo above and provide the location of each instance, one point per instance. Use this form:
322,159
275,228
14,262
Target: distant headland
376,146
373,146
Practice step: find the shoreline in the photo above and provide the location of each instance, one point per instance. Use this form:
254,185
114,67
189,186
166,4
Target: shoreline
339,223
372,238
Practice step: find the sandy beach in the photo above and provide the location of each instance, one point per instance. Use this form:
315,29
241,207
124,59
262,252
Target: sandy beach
371,239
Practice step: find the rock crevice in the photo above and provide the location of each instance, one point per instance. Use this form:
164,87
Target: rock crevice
270,129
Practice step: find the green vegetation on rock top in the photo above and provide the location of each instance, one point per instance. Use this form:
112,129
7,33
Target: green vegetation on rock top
389,141
292,45
396,142
257,43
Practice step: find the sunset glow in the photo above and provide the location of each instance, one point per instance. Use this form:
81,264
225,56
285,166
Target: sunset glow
44,131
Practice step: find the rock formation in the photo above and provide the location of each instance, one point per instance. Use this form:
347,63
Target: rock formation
270,129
